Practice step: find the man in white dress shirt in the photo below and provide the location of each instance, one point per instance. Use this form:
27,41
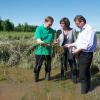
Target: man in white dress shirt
85,46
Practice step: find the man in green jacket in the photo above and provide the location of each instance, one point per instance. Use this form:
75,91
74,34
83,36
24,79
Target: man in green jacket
44,34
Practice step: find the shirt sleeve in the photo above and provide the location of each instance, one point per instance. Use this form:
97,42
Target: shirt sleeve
92,38
84,42
37,34
89,39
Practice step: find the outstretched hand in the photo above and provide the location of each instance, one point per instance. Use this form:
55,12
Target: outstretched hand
76,51
68,45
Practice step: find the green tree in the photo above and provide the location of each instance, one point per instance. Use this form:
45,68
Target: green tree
25,28
1,28
18,28
7,25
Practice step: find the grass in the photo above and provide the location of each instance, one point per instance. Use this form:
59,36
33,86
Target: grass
2,77
18,82
7,34
14,47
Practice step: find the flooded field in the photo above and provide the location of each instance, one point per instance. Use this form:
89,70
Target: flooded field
18,84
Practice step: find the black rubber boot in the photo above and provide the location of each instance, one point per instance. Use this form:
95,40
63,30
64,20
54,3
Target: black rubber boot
74,74
47,76
74,79
84,87
89,85
63,74
36,77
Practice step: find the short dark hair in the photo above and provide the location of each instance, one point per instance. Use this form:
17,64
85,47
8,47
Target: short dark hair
80,18
66,21
49,18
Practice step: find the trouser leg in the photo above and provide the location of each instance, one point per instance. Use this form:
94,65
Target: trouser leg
73,66
38,63
85,60
64,64
47,67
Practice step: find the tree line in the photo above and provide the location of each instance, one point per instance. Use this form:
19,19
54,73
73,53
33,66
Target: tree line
7,25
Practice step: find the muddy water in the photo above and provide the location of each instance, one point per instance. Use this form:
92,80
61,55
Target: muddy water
43,91
20,86
9,91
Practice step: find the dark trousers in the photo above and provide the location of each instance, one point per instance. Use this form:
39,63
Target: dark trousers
64,64
39,61
85,59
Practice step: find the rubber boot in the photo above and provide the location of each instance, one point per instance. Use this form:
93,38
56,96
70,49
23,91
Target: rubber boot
47,76
36,77
84,87
74,79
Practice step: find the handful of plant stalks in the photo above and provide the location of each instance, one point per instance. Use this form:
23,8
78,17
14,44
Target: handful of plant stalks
58,49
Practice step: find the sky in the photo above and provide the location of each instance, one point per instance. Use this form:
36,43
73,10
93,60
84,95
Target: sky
34,11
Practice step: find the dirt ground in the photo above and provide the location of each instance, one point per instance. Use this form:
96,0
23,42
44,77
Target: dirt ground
18,84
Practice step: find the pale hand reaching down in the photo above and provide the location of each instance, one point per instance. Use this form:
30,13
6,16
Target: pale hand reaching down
74,50
68,45
40,41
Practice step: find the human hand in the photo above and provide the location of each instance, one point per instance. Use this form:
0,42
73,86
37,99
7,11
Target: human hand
68,45
55,41
76,51
40,41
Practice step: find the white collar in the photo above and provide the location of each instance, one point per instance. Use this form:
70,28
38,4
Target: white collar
83,27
